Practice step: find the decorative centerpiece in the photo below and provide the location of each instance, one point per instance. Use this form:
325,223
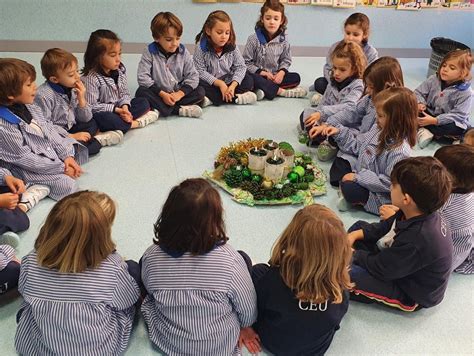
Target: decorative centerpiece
245,170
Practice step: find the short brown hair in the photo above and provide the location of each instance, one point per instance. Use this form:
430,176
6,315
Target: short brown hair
191,219
162,22
425,180
464,58
361,20
211,21
383,73
54,60
354,53
77,233
313,255
459,161
274,5
401,108
13,74
469,137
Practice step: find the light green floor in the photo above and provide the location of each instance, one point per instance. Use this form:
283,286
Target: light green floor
139,173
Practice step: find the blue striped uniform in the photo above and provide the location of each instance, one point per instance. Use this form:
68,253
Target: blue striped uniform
271,56
336,101
458,212
168,74
103,94
197,304
87,313
58,108
372,171
453,104
229,66
370,53
7,253
38,159
3,173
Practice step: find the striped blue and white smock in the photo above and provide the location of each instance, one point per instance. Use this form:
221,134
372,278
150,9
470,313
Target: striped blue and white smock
372,170
35,156
197,304
58,108
3,173
87,313
458,212
270,56
7,253
229,66
103,94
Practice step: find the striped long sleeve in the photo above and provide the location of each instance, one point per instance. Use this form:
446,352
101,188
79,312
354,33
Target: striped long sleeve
7,253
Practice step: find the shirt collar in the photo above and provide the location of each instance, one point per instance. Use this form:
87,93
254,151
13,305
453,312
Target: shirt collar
7,115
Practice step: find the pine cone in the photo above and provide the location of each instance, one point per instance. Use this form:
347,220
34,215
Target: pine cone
233,178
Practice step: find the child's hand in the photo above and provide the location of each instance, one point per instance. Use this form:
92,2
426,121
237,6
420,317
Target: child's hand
128,117
16,185
168,99
123,113
250,339
427,120
230,93
9,201
349,177
354,236
312,119
71,168
267,75
80,90
387,210
177,96
81,136
278,78
421,107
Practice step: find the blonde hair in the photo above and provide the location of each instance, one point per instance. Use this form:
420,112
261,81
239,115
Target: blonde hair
464,58
313,255
77,233
354,54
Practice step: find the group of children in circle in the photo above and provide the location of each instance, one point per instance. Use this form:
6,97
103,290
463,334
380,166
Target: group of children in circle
361,113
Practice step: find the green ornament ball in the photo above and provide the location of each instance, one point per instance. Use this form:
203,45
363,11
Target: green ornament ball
293,177
299,170
246,174
256,178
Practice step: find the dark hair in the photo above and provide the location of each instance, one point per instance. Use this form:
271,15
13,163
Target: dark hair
425,180
191,219
13,74
211,21
384,73
97,45
401,108
54,60
459,161
274,5
162,22
361,20
354,53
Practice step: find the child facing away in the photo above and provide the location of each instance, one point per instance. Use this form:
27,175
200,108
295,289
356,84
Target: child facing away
267,55
303,295
445,99
367,183
357,29
63,101
105,79
30,147
221,67
200,293
167,77
413,272
79,295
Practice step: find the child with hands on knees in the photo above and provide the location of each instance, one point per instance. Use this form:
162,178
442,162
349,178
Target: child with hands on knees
412,271
30,147
221,67
200,294
105,78
445,99
78,293
166,73
267,55
367,183
356,29
302,295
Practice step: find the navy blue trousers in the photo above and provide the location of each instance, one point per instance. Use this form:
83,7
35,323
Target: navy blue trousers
446,130
290,80
320,85
110,121
9,277
12,220
194,97
354,193
214,93
339,168
93,146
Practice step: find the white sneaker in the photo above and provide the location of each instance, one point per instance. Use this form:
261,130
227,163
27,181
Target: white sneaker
33,195
248,97
109,138
190,111
424,137
343,204
316,99
260,94
297,92
10,238
206,102
150,117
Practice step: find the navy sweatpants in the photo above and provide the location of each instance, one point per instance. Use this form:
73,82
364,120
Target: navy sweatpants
290,80
93,146
9,277
110,121
214,94
446,130
320,85
12,220
194,97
